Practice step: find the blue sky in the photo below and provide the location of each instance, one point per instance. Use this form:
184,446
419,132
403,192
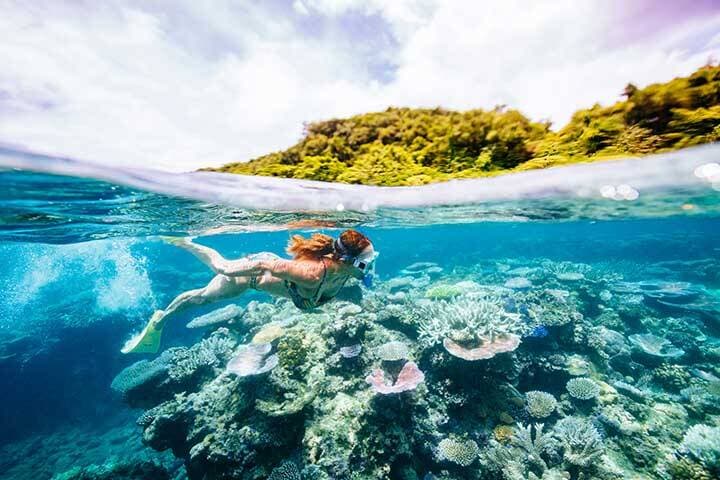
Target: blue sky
179,85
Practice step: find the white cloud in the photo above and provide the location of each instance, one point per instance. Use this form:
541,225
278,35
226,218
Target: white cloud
197,85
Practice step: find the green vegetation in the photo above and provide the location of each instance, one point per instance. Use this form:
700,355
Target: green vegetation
403,146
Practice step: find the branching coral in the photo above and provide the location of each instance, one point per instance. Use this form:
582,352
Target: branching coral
582,388
213,351
534,447
467,319
540,404
461,452
702,443
580,440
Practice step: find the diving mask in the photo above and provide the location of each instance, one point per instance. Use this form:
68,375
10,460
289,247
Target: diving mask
365,263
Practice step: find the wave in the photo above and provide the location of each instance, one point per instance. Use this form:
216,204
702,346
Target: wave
626,180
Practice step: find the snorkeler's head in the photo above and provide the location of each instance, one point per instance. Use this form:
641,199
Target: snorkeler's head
352,244
349,246
355,249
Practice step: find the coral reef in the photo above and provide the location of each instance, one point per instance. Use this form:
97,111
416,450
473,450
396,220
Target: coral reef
116,471
417,381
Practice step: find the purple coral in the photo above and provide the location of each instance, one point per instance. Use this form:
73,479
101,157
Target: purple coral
409,378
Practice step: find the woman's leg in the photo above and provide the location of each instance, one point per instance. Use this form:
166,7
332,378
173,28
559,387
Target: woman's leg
241,267
206,255
220,287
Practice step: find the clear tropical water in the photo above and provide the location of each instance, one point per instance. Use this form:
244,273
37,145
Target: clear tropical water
629,249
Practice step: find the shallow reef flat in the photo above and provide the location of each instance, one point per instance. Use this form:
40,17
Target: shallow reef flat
500,370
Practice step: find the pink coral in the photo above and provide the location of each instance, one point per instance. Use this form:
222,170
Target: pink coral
409,378
489,348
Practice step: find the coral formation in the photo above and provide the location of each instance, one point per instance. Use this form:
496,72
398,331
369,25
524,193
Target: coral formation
216,317
286,471
465,319
251,360
487,349
392,351
409,378
580,440
582,388
540,404
654,346
461,452
417,382
702,443
116,471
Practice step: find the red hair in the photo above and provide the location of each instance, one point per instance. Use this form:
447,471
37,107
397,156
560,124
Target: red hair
320,245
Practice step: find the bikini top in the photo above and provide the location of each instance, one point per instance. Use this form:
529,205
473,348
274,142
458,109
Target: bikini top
317,299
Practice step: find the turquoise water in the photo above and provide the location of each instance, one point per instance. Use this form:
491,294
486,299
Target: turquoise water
607,273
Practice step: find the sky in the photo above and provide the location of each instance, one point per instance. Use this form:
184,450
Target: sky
179,85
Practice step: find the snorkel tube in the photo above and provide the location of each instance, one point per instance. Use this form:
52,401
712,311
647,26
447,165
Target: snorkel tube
367,278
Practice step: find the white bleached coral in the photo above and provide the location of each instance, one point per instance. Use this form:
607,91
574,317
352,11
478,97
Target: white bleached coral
461,452
465,319
540,404
582,388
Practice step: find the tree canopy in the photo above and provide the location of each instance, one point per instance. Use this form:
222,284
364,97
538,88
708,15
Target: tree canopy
405,146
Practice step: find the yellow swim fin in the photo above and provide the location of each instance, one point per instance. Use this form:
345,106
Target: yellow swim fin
147,341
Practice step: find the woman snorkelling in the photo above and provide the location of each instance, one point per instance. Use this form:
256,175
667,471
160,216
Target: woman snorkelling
320,267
